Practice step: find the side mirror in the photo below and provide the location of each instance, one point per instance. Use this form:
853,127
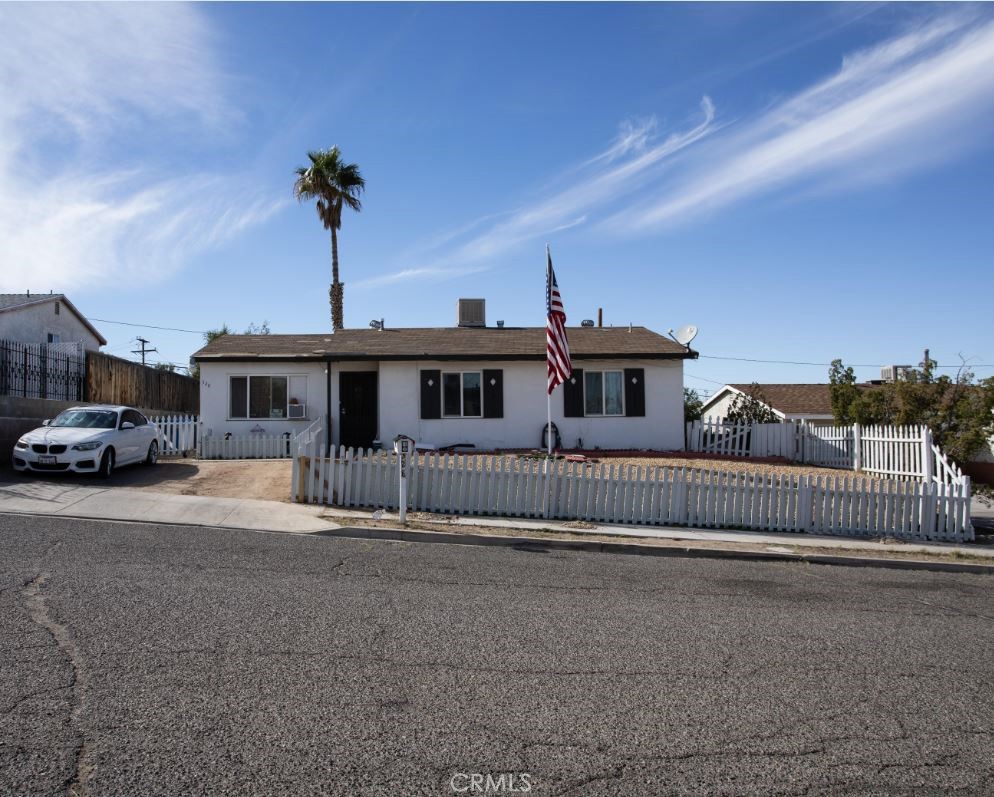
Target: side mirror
46,422
127,425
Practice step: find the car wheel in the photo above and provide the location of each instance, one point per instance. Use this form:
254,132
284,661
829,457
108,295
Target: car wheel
153,453
107,464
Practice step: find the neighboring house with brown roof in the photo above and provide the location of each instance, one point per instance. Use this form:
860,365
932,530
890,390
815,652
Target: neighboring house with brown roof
477,385
790,402
46,318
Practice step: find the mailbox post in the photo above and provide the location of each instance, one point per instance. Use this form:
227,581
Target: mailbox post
403,447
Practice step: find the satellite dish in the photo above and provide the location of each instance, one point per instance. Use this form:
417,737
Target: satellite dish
685,334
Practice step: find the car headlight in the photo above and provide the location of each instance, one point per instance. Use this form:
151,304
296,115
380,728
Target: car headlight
87,446
21,444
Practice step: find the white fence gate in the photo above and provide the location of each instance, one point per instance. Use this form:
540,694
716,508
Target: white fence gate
177,434
523,487
898,452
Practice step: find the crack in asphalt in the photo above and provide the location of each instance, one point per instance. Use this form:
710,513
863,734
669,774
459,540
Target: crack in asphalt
37,606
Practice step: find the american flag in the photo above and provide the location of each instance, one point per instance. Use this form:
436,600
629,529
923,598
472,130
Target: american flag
556,345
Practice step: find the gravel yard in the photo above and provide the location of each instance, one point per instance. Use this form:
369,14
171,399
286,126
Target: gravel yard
678,460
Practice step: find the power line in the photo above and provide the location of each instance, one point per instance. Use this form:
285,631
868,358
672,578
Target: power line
703,378
826,365
150,326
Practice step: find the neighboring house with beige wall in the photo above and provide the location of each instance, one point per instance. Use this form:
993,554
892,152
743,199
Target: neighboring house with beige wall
789,402
46,318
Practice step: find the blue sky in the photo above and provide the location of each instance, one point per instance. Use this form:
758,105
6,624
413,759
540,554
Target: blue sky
802,182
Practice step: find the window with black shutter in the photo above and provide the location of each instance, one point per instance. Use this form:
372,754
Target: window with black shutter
635,392
573,395
493,393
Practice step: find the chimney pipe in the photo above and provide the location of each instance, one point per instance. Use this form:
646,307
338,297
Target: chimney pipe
600,316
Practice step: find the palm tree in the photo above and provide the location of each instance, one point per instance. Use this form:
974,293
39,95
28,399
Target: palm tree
333,184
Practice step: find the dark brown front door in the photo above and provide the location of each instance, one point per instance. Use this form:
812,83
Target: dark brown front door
357,408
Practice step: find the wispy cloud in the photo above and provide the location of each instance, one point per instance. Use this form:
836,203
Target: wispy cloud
600,181
633,136
434,273
889,109
80,86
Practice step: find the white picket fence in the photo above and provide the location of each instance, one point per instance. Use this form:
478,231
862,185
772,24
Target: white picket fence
260,446
601,492
898,452
177,434
249,446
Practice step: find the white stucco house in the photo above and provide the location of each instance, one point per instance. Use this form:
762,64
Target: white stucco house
46,318
466,385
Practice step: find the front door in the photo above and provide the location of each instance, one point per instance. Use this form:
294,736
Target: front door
357,408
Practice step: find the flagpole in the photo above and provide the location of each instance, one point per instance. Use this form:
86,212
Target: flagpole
548,393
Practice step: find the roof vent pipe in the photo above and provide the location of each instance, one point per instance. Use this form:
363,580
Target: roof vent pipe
600,316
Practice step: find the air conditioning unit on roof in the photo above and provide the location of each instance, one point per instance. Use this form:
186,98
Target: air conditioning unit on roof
472,313
894,373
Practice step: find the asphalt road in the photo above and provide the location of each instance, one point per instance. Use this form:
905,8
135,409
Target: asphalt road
158,660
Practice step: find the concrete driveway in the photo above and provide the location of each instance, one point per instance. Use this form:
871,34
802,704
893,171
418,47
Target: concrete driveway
265,479
109,499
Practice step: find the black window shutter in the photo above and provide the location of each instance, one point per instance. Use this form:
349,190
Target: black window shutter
431,395
635,392
573,395
493,393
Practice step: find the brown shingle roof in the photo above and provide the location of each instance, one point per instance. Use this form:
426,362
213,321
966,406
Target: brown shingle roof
795,399
486,343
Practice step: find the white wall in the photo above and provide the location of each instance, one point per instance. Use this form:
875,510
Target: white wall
214,397
33,324
525,408
524,405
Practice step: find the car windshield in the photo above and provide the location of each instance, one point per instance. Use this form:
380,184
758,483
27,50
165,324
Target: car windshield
87,419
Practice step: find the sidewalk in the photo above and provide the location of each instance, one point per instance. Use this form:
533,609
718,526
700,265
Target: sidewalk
123,503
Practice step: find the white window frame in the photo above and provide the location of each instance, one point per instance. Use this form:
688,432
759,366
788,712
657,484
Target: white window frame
462,394
604,414
248,397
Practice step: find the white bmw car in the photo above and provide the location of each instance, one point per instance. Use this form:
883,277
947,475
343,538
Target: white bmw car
88,440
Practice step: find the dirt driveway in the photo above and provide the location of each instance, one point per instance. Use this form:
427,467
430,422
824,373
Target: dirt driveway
264,479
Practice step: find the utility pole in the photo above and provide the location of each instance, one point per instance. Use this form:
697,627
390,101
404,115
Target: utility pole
143,350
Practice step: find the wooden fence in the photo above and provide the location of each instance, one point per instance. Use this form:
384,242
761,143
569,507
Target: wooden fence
599,492
42,370
111,380
177,434
899,452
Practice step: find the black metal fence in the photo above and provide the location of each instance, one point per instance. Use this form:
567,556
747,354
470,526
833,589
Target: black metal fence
42,370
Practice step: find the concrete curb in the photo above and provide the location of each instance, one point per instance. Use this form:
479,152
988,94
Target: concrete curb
541,544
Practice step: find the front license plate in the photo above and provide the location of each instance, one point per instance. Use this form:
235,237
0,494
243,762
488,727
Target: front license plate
46,459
